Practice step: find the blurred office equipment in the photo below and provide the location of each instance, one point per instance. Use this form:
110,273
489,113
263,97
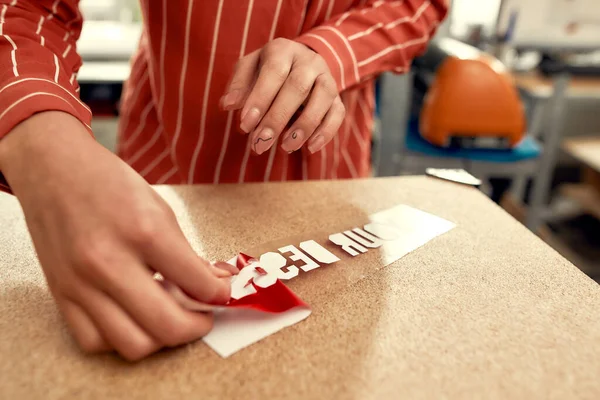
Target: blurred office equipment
567,34
556,71
571,25
108,40
520,28
110,35
469,19
101,10
472,104
586,194
403,150
586,65
580,229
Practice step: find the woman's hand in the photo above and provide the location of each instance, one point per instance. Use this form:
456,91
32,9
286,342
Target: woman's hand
100,232
275,84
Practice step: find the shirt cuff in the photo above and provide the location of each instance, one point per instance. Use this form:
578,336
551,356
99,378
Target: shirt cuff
24,97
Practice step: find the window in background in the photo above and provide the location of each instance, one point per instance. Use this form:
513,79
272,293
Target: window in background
126,11
553,24
469,15
111,30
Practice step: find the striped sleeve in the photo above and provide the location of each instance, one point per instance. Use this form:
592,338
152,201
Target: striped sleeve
38,62
382,35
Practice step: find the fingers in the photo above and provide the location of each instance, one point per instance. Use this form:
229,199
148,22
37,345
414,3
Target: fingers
186,301
273,84
223,266
174,258
116,326
132,312
241,82
295,91
84,331
321,100
273,74
329,128
154,310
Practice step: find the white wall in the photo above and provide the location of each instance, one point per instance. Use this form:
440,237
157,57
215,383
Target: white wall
465,13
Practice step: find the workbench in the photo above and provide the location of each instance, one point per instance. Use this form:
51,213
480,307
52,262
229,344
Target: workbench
587,193
486,310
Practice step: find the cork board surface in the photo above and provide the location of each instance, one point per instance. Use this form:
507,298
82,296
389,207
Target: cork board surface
486,310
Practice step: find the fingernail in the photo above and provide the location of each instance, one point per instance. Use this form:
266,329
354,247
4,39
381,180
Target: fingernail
316,144
293,140
263,141
250,119
230,99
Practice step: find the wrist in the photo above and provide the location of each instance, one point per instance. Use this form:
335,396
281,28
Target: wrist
29,148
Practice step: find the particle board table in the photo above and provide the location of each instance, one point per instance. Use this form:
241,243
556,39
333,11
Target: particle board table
486,310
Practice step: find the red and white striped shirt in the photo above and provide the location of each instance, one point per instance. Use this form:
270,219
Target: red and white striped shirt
172,129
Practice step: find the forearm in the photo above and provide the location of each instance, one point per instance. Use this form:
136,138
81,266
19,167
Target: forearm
38,63
382,36
34,147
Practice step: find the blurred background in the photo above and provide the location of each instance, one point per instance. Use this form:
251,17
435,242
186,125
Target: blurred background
508,91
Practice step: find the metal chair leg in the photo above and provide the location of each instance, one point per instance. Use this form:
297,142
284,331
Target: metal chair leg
551,147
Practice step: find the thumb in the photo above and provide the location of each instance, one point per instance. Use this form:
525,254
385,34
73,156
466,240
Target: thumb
223,269
241,82
176,261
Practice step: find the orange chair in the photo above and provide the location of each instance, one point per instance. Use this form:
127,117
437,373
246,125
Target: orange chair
472,99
